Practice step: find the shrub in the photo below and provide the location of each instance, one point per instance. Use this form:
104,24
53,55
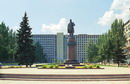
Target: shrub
97,66
44,66
56,66
90,66
11,67
16,66
38,65
85,67
50,66
20,66
94,65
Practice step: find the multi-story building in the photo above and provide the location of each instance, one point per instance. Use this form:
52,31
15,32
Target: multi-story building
82,40
55,46
127,34
48,42
60,47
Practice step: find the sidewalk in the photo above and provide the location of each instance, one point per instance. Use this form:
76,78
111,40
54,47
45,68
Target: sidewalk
63,82
106,70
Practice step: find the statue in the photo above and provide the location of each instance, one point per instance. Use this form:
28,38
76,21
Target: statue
71,46
71,28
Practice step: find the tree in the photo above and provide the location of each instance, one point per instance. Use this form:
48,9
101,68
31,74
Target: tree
102,48
117,29
7,43
39,54
91,51
25,54
4,42
12,45
111,44
105,48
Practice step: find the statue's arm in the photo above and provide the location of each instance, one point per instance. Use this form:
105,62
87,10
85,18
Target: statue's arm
73,24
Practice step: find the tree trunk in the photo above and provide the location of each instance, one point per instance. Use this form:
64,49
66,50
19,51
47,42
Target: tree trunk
30,65
26,65
118,63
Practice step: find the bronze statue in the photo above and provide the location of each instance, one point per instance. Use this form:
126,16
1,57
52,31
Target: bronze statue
71,46
71,28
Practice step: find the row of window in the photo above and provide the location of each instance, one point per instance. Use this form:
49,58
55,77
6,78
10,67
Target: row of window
127,28
76,36
128,34
44,36
87,36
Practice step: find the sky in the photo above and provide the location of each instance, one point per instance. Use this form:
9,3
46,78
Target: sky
52,16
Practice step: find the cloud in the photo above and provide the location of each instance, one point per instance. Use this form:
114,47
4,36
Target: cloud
119,9
54,28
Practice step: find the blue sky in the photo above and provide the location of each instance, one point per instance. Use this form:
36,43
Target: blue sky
52,16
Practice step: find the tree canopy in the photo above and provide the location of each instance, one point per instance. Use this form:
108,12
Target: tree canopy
25,54
91,51
111,44
7,43
39,54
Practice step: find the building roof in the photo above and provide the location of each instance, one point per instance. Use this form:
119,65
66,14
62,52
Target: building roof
127,22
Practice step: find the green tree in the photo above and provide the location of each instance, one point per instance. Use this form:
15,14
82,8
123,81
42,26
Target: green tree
4,42
25,54
91,51
111,44
102,48
117,30
12,45
105,48
7,43
39,54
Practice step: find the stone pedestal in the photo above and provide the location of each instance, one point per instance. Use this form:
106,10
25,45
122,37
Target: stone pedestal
71,51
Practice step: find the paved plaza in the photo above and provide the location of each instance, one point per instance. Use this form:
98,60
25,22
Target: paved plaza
63,82
106,70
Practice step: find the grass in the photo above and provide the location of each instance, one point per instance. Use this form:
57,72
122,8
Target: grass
4,64
88,66
127,66
6,67
56,66
50,66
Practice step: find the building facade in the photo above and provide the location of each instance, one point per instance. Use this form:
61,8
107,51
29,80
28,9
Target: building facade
60,47
55,46
127,34
48,42
82,41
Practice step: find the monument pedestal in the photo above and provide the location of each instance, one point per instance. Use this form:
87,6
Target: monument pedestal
71,51
73,62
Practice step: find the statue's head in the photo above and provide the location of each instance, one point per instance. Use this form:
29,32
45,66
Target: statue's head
70,20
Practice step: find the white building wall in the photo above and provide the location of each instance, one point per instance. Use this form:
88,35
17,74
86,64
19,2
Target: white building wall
60,47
